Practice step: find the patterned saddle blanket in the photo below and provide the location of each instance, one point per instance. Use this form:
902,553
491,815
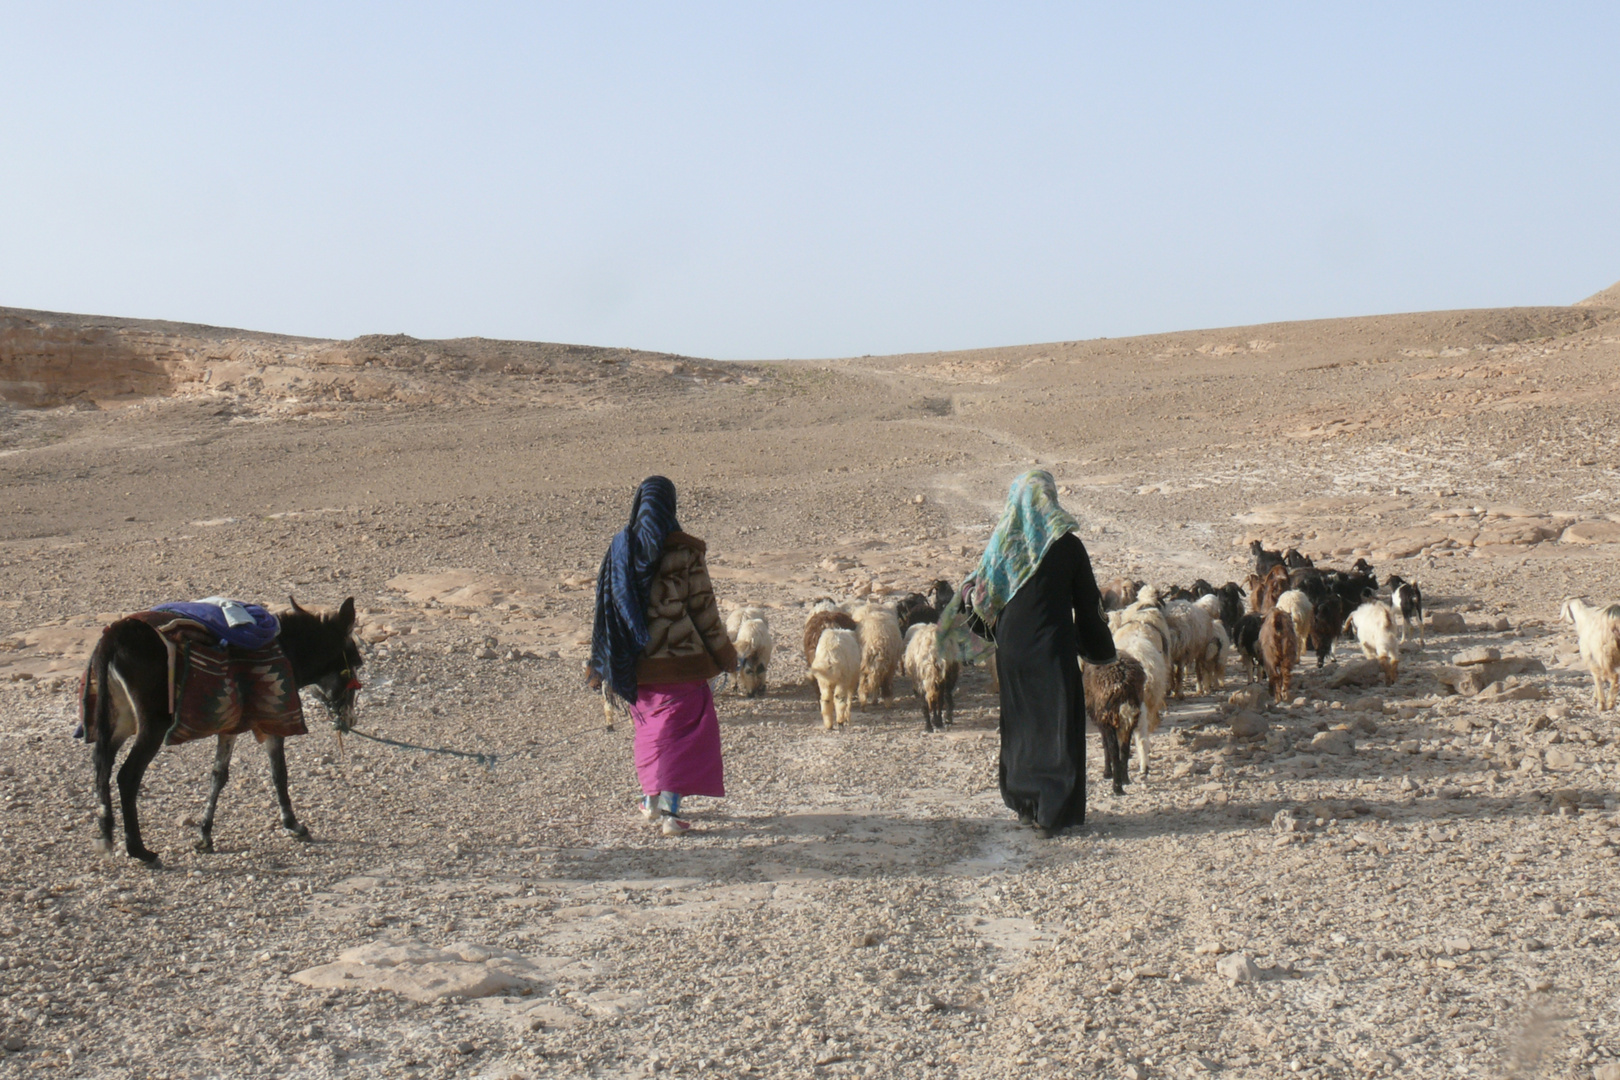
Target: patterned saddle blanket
215,690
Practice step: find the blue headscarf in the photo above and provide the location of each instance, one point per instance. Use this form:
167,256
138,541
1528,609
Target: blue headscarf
623,582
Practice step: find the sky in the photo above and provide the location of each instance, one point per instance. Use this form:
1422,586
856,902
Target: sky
754,181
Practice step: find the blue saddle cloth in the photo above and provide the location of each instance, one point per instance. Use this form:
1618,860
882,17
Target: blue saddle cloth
226,621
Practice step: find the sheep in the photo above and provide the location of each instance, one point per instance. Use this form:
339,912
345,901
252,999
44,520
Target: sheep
1375,628
1326,619
1299,607
1120,593
1147,615
837,670
881,648
1247,639
1192,631
1140,639
1114,697
813,626
754,648
1264,560
737,616
1406,598
1599,633
1279,650
932,676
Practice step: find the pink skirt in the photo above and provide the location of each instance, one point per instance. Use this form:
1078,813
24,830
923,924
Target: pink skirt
678,739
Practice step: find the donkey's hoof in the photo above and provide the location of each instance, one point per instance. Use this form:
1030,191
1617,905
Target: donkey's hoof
298,830
204,846
150,858
102,845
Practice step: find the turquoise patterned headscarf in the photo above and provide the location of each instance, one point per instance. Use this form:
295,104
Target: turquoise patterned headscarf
1029,525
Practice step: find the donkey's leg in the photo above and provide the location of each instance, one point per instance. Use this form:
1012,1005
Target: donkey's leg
102,758
147,744
276,747
222,773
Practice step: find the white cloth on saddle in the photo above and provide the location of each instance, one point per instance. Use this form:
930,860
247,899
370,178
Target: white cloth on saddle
236,613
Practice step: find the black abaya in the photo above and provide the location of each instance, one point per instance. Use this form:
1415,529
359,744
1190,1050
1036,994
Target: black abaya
1054,618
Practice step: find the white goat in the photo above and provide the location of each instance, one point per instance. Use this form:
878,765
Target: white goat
932,675
739,615
1192,631
1299,608
1599,633
1141,641
879,630
837,670
1375,629
754,648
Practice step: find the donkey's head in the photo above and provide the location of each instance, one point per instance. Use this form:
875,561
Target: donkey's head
325,655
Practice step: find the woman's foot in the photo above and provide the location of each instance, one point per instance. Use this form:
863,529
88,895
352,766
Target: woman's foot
649,807
671,825
1043,833
1026,819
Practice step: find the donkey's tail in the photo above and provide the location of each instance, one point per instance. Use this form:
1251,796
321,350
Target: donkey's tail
94,719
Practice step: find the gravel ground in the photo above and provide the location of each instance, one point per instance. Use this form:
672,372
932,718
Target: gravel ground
1385,881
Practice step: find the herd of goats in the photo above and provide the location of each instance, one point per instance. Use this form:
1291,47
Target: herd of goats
1165,639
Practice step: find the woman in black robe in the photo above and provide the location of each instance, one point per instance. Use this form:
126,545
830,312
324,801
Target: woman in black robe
1034,595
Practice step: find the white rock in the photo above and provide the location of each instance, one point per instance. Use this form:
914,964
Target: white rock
1237,968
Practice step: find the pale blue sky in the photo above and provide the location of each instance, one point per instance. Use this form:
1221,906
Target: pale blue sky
767,180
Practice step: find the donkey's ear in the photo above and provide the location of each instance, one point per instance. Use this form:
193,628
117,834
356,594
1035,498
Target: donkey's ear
346,615
291,599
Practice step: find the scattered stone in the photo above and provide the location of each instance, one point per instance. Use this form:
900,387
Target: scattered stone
1511,690
423,973
1456,946
1560,759
868,939
1136,1071
1248,724
1479,654
487,653
464,1047
1501,625
1335,741
1361,672
1609,1070
1364,724
1447,622
1250,697
1237,968
1211,948
16,1044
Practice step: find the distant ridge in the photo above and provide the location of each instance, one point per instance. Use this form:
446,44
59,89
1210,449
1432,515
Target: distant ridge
1609,297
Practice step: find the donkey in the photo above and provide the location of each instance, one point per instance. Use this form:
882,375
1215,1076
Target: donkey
130,666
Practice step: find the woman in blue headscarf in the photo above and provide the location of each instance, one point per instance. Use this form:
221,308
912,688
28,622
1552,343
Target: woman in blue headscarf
1034,594
657,641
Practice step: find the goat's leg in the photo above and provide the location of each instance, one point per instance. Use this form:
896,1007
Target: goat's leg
146,746
276,748
222,773
1142,752
827,713
1110,743
1122,761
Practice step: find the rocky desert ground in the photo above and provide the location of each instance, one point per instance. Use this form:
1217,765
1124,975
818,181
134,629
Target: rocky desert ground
1414,880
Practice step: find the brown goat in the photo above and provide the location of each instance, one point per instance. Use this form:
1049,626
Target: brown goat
1275,584
1114,703
822,620
1279,649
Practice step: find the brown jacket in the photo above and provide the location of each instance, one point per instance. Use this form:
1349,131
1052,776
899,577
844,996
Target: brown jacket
687,636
